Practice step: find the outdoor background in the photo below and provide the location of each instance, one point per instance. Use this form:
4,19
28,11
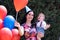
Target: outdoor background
51,9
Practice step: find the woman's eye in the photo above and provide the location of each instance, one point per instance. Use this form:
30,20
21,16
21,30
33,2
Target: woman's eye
31,14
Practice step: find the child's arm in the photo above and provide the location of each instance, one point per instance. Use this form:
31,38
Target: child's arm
45,25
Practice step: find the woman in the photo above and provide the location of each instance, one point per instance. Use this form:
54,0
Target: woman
29,30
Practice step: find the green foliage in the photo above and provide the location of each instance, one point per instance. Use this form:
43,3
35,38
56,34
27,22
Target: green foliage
51,9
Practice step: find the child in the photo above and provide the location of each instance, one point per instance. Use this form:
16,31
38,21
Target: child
41,26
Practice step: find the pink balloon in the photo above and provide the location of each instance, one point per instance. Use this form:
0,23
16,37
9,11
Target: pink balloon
5,34
3,12
16,35
1,23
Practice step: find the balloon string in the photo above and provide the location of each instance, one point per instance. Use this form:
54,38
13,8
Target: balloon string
16,16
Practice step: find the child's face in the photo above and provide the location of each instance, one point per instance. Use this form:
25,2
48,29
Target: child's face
41,17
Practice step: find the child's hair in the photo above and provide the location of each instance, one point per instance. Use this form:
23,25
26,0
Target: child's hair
42,13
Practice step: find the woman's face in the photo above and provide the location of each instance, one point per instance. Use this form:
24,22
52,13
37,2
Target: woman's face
41,17
30,16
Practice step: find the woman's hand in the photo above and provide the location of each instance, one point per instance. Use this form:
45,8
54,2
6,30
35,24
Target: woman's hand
27,34
17,24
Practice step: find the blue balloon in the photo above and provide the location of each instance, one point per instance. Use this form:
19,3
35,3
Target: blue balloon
9,22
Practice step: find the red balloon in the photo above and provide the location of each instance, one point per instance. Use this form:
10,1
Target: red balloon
3,12
20,4
1,23
0,36
5,34
15,34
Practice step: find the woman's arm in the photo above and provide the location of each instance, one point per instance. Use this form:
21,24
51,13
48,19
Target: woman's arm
20,28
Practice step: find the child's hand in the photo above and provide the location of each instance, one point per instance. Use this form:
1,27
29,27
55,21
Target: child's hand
48,26
17,24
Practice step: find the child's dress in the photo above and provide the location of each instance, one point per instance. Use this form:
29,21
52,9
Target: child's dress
40,27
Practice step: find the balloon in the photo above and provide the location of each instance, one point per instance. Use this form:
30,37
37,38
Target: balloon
20,4
3,12
16,35
1,23
0,36
9,22
6,34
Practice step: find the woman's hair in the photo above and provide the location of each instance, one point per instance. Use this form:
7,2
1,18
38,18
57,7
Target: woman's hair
24,18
